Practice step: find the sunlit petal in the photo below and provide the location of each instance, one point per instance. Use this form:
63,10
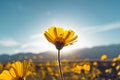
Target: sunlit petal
5,75
60,37
49,37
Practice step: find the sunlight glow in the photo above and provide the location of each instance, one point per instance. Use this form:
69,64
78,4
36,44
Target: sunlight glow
37,42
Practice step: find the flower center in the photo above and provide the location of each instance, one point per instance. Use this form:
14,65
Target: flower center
59,45
82,70
21,79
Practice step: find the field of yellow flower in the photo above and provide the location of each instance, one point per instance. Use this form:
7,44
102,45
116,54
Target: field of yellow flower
72,70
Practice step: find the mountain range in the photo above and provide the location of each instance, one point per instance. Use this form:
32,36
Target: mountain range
92,53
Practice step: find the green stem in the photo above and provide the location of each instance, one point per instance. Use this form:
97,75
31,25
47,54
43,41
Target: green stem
60,67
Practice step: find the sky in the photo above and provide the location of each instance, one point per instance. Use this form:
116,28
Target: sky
23,22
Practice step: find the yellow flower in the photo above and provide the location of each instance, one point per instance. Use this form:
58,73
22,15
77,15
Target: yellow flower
83,78
1,66
18,71
95,63
114,59
77,69
75,77
113,64
118,57
118,67
60,37
118,73
81,69
108,70
86,67
104,57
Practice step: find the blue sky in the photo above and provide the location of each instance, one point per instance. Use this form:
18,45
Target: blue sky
22,23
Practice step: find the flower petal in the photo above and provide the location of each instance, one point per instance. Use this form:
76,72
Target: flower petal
52,31
12,73
60,32
70,41
49,37
17,68
5,75
70,35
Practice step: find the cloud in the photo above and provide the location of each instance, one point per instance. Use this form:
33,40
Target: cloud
37,43
35,36
9,43
34,41
101,28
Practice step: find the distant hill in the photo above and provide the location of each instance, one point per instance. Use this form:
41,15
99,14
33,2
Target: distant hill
91,53
95,52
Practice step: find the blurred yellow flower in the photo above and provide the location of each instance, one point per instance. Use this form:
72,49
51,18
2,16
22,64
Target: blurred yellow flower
114,59
104,57
57,74
86,67
18,71
113,64
95,63
81,68
60,37
75,77
50,70
118,57
118,73
95,72
118,67
108,70
77,69
83,78
1,66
